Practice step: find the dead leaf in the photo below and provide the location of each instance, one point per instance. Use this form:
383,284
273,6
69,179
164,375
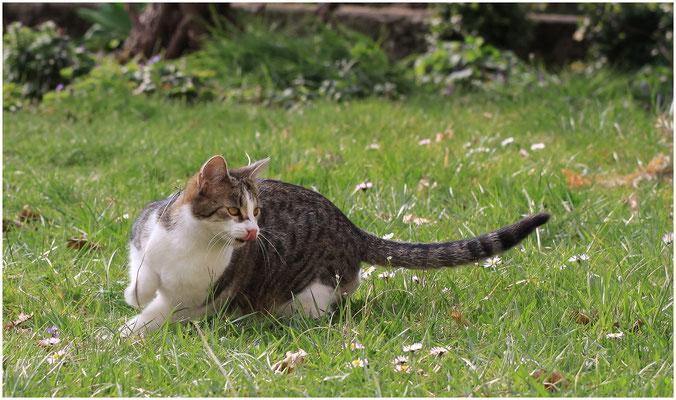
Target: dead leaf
552,381
455,314
49,341
27,215
637,325
8,224
580,318
14,276
444,136
285,132
425,183
416,220
81,243
487,115
290,362
574,179
659,166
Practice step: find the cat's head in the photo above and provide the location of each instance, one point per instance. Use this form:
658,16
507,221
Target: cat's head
226,202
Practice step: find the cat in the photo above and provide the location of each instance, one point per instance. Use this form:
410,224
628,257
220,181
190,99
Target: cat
233,241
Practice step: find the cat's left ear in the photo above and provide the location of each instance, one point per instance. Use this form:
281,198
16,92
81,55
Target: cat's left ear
258,167
214,170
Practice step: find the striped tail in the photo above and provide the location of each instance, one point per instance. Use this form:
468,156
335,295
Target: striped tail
383,252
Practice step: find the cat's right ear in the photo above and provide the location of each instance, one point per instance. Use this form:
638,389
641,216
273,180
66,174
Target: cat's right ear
214,170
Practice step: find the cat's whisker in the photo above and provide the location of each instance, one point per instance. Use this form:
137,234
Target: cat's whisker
273,246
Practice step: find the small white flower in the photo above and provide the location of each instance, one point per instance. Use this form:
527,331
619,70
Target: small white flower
584,257
424,142
493,262
365,274
388,236
578,258
415,279
507,141
400,360
386,275
615,335
372,146
562,267
668,238
573,259
56,357
363,186
413,347
523,153
439,351
445,290
402,368
355,346
537,146
358,363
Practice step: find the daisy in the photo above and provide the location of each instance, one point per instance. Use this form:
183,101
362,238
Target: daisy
402,368
400,360
415,279
668,238
439,351
355,346
445,290
413,347
386,275
537,146
613,335
358,363
492,262
365,274
56,357
388,236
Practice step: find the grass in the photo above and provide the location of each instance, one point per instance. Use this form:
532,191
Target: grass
86,164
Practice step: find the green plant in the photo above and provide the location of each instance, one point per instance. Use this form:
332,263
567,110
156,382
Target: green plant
467,63
111,25
630,35
269,64
504,26
41,60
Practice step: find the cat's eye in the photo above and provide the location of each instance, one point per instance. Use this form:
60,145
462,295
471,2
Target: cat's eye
256,211
234,211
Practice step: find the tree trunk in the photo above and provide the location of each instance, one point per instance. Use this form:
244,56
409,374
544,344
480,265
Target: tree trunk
178,28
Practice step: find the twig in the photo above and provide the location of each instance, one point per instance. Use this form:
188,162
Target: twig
213,357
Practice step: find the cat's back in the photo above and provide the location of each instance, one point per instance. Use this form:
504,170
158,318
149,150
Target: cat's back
145,222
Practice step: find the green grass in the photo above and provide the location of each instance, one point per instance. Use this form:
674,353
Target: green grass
85,164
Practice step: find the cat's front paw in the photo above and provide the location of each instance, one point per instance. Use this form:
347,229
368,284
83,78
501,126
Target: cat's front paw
131,327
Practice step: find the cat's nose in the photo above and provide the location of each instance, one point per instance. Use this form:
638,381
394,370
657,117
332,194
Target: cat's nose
251,235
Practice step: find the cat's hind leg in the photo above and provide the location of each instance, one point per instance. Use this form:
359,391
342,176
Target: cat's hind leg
313,301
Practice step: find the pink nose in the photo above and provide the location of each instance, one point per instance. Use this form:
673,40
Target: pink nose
251,235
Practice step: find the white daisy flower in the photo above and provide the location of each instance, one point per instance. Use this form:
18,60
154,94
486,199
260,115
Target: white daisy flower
402,368
415,279
668,238
507,141
537,146
439,351
388,236
355,346
412,348
400,360
613,335
584,257
492,262
56,357
386,275
358,363
365,274
445,290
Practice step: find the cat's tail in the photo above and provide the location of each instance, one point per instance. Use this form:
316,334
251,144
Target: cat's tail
383,252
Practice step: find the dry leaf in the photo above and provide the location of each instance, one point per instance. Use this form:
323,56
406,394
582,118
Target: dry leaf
659,166
8,224
49,341
455,314
20,319
487,115
81,243
425,183
637,325
574,179
285,132
290,362
552,383
580,318
416,220
444,136
26,215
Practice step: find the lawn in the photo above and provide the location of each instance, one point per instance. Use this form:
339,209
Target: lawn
590,295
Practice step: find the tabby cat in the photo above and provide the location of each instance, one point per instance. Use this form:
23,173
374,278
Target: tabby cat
230,239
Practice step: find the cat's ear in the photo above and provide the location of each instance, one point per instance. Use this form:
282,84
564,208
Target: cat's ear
258,167
214,170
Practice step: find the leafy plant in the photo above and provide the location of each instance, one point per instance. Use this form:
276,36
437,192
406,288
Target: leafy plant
111,25
467,63
268,64
41,60
630,35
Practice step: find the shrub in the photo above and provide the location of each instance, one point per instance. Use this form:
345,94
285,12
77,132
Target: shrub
630,35
41,60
